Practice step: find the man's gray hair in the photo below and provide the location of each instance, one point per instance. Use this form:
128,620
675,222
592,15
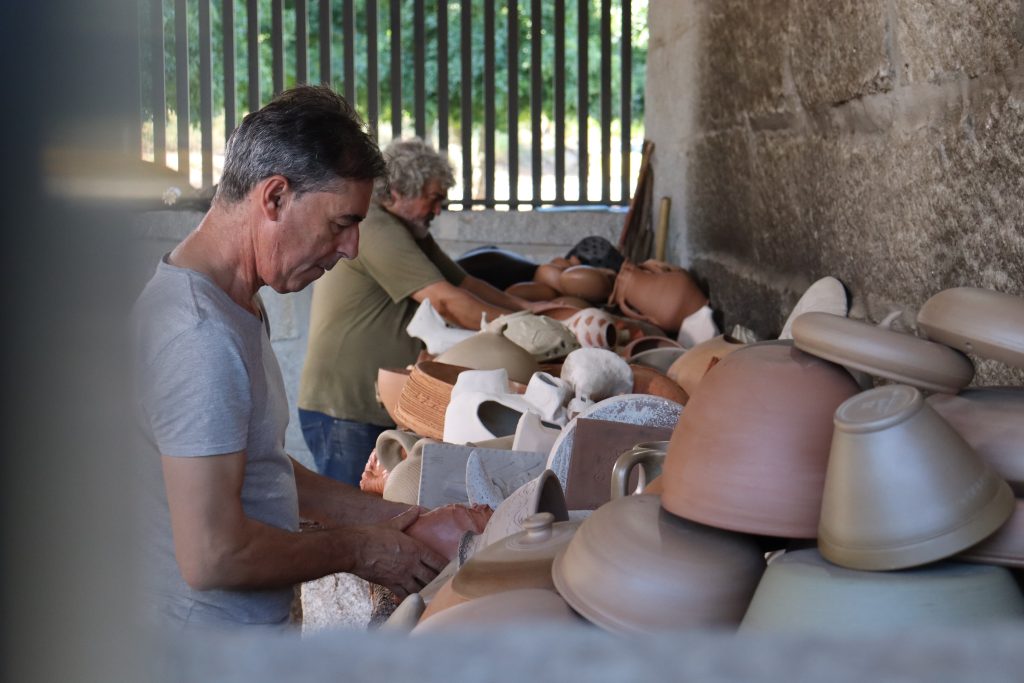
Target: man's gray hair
411,164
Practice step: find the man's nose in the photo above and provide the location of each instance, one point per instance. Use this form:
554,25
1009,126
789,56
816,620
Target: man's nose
348,242
437,208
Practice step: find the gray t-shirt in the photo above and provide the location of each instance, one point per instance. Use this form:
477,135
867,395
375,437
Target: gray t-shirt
209,384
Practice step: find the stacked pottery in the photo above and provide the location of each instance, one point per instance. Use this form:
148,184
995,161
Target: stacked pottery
658,293
389,387
425,397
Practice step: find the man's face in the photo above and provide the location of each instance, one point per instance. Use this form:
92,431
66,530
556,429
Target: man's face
417,212
311,233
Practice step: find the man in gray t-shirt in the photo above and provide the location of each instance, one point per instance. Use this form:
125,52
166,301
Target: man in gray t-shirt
225,499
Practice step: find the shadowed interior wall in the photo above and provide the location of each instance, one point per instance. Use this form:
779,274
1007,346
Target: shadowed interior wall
878,141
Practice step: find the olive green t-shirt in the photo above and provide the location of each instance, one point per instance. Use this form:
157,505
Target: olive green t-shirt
359,313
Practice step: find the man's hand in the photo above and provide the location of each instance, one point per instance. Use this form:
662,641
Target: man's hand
384,554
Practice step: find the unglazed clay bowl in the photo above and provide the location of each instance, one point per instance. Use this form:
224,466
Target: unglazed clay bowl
549,274
528,606
979,321
532,291
882,352
634,568
425,397
647,343
658,359
490,350
522,560
1005,547
750,450
389,387
903,488
650,381
991,420
587,282
689,369
801,592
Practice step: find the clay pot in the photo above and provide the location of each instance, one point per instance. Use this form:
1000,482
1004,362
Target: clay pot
1005,547
574,301
647,343
532,291
587,282
393,446
403,482
688,370
657,292
549,274
374,476
750,450
802,592
658,359
530,606
991,420
594,328
444,599
441,529
490,350
903,488
980,321
650,381
633,568
543,494
649,457
389,387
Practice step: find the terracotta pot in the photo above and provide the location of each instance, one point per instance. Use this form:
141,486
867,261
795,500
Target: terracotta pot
587,282
650,381
594,328
389,387
658,293
529,606
980,321
490,350
903,488
441,529
801,592
532,291
549,274
751,448
557,311
688,370
374,476
991,420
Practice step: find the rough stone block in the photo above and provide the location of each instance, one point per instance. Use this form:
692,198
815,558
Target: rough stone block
941,40
337,601
719,207
839,50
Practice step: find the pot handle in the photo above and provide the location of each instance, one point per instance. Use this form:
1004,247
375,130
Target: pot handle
650,461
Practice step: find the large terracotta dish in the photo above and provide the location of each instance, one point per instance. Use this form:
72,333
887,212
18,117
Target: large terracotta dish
489,351
979,321
801,592
991,420
634,568
903,488
884,353
522,560
751,448
527,606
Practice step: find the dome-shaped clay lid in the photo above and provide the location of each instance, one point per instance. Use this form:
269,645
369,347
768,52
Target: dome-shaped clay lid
491,350
632,567
980,321
522,560
882,352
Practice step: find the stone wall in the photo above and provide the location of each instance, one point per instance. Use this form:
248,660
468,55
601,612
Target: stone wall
878,141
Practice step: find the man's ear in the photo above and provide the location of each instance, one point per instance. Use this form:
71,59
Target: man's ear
272,193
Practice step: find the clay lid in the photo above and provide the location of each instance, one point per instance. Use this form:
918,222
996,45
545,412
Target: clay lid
800,591
980,321
522,560
632,567
1005,547
884,353
490,350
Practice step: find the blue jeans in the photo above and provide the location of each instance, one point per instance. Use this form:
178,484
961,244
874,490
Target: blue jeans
340,448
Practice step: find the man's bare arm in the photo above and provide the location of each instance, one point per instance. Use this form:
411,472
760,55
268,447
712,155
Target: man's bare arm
336,503
457,305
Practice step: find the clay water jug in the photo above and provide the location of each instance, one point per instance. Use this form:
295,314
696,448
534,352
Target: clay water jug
658,293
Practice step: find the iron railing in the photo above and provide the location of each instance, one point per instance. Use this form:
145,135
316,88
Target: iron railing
433,69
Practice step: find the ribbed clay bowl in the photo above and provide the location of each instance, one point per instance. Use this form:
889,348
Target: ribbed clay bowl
634,568
884,353
389,387
801,592
750,451
425,397
980,321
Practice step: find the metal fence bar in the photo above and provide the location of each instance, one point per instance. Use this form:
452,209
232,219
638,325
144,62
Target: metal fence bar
227,22
513,103
466,82
442,76
606,100
181,81
301,42
626,113
253,52
396,69
205,93
348,23
277,43
536,87
582,92
490,108
559,108
419,68
373,94
324,39
159,93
